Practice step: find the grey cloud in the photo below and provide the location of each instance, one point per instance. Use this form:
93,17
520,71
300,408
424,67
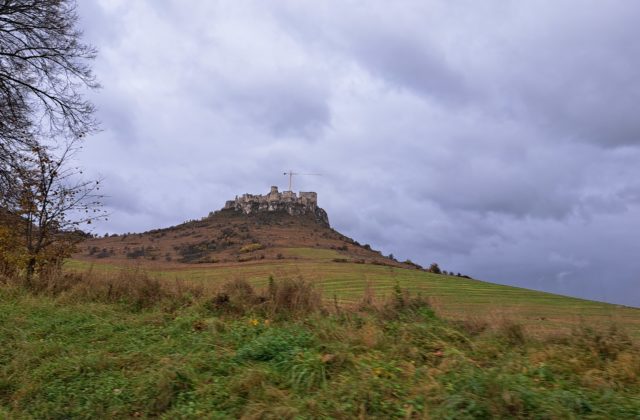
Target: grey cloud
122,200
387,48
572,70
411,65
284,107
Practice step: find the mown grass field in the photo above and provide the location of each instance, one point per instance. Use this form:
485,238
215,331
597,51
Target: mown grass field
453,297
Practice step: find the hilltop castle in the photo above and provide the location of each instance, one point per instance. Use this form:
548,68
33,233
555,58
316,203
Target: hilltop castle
288,201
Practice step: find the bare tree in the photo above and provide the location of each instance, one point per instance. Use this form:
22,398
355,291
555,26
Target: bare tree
43,71
53,201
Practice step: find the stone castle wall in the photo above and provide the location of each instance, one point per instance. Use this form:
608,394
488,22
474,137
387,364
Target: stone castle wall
288,201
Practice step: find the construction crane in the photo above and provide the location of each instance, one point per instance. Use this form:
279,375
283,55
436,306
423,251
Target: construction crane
291,174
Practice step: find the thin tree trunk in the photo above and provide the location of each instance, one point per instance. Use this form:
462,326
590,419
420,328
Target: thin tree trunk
31,269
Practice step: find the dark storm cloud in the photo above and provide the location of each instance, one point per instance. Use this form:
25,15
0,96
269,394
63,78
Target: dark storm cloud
499,139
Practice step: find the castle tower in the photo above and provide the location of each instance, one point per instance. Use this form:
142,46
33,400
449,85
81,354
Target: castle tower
309,198
273,195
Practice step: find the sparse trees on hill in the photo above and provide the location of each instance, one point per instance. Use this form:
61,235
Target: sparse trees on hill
434,268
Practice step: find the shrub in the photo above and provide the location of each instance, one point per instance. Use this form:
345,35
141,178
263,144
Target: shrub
282,298
512,332
251,247
103,254
136,253
197,252
376,262
412,264
292,297
472,325
400,305
234,297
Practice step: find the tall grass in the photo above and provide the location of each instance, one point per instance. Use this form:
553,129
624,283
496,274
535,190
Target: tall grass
139,290
125,345
135,288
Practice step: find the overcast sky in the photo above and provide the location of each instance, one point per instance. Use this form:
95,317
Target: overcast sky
498,138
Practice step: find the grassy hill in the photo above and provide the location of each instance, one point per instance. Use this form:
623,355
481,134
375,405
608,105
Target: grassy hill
228,245
453,297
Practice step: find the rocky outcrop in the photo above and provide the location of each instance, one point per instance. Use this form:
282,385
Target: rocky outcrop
286,201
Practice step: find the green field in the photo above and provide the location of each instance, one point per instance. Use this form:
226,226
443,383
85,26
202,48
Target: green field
72,357
453,297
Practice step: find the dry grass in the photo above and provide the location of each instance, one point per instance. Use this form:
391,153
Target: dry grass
293,295
368,296
400,303
135,287
296,296
512,332
285,297
451,297
473,325
288,297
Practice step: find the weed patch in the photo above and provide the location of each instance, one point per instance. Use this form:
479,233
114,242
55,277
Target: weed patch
274,344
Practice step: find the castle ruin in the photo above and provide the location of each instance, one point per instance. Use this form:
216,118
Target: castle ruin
288,201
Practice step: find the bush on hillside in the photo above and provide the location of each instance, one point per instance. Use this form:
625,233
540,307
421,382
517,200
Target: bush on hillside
251,247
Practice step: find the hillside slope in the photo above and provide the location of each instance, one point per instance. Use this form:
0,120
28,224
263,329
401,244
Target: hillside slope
229,244
229,236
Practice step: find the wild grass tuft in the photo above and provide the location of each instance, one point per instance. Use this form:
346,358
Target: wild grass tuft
513,333
292,297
